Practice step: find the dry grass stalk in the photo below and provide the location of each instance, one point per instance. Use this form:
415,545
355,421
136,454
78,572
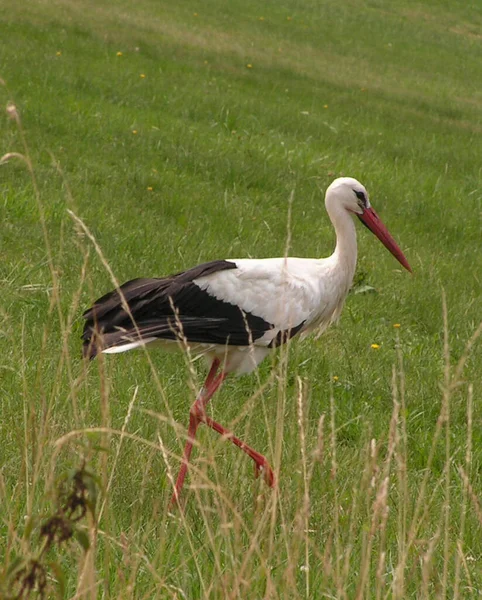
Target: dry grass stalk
463,513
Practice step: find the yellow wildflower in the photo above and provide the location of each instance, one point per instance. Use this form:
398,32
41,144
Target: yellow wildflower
142,76
58,53
149,189
119,54
396,325
249,66
134,131
375,346
335,377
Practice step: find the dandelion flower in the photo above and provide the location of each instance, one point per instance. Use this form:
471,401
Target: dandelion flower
119,54
249,66
325,105
335,377
150,188
375,346
58,53
142,76
396,325
261,18
134,131
195,14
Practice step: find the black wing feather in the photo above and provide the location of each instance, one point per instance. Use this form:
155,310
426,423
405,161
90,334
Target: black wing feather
169,308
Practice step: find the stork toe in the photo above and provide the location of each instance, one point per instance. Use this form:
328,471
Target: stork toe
264,468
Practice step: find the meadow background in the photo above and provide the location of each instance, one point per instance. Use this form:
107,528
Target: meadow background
177,133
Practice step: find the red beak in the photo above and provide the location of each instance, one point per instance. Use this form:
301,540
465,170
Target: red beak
370,218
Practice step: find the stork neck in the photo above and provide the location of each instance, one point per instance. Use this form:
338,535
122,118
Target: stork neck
345,254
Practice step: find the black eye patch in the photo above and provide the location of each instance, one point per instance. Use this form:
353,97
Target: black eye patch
361,196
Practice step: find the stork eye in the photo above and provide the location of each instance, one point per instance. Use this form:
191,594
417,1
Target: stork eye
361,196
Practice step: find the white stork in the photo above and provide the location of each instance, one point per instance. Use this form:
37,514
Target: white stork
235,312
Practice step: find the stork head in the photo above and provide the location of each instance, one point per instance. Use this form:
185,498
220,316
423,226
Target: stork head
353,197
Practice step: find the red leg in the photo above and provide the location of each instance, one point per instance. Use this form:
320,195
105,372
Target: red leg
196,414
261,463
211,375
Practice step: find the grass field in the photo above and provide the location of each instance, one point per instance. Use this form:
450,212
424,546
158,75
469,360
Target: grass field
177,133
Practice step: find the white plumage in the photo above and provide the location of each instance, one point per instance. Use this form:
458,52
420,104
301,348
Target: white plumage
286,292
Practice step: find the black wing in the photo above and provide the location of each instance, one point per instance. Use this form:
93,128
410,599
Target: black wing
171,308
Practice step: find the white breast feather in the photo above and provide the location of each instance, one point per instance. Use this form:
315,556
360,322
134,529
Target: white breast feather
283,292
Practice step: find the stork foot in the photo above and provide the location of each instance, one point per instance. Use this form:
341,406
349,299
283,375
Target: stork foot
263,468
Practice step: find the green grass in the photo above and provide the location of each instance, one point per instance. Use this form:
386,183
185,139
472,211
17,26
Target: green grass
388,94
